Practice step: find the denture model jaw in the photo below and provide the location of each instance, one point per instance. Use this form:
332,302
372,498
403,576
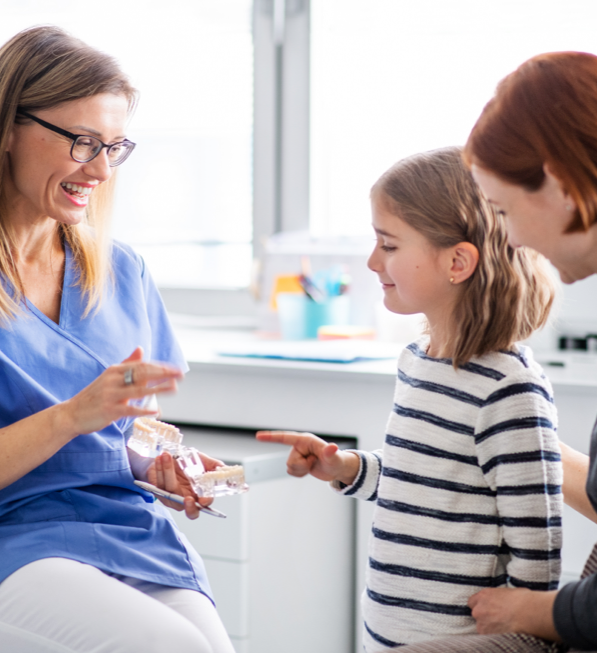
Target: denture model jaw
151,437
220,482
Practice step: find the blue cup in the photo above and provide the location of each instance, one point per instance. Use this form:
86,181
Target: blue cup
300,317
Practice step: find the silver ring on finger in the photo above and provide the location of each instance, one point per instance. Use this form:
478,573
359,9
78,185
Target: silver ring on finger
128,376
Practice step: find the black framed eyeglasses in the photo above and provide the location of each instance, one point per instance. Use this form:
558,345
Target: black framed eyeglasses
86,148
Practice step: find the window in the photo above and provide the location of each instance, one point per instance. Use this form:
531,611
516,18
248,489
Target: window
258,116
184,198
391,78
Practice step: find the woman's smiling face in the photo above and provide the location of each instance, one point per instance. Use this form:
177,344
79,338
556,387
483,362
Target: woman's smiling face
41,178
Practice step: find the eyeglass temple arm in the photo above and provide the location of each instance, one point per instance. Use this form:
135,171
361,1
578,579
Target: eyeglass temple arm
47,125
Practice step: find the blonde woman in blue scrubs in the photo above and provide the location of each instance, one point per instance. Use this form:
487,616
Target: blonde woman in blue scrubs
88,562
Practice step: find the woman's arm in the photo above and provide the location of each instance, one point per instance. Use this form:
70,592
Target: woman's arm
576,470
28,443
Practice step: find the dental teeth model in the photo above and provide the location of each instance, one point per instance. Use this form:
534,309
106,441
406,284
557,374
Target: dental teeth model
222,481
151,437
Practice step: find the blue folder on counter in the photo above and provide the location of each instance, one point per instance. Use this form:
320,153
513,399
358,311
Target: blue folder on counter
318,351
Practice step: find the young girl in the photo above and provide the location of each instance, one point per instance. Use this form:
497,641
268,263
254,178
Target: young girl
468,484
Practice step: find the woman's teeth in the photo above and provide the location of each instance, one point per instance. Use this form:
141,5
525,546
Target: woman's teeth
76,189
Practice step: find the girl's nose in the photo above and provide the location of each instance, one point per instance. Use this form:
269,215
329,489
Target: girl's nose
373,261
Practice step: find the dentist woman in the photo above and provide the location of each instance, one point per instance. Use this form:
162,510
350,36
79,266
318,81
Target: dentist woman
88,562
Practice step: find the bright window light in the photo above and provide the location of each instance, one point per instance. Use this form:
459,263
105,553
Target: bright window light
390,78
184,198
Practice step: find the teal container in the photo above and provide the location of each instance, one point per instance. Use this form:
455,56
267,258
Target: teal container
301,317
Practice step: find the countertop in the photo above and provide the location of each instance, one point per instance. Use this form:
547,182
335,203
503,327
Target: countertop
203,342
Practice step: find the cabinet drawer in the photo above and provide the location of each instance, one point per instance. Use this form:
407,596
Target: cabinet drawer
225,539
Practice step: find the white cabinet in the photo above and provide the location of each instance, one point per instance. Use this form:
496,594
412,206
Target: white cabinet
281,565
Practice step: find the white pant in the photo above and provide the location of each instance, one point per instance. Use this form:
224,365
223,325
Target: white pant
58,605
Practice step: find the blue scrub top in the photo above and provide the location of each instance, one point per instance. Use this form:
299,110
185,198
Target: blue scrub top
81,503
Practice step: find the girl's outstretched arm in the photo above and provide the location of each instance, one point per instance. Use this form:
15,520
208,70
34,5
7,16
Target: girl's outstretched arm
312,455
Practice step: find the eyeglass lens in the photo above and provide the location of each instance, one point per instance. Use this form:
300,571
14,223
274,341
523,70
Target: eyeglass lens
86,148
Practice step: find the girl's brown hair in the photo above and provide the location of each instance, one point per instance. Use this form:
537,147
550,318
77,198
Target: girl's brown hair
41,68
511,291
545,112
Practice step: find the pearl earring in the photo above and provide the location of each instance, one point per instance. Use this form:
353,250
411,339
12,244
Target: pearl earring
451,279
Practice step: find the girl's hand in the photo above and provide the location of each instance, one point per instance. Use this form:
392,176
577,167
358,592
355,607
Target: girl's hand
106,399
312,455
166,474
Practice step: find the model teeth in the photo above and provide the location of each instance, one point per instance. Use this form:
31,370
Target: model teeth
81,190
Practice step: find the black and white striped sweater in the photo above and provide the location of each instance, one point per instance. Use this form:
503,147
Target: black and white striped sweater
468,493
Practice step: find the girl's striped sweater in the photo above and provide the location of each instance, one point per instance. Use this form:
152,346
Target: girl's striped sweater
468,493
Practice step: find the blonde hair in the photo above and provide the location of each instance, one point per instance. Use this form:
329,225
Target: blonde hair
511,291
41,68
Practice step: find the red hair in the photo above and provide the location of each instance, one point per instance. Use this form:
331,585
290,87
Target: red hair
545,112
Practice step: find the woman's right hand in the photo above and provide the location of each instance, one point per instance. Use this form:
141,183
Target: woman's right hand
106,399
312,455
167,474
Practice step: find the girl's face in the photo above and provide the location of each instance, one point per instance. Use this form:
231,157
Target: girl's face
414,274
41,178
538,219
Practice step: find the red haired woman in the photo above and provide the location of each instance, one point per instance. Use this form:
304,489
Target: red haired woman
533,152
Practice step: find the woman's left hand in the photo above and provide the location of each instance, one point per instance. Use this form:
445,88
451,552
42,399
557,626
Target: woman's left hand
514,610
166,474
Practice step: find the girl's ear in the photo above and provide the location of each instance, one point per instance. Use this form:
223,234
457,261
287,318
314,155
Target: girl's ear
463,262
